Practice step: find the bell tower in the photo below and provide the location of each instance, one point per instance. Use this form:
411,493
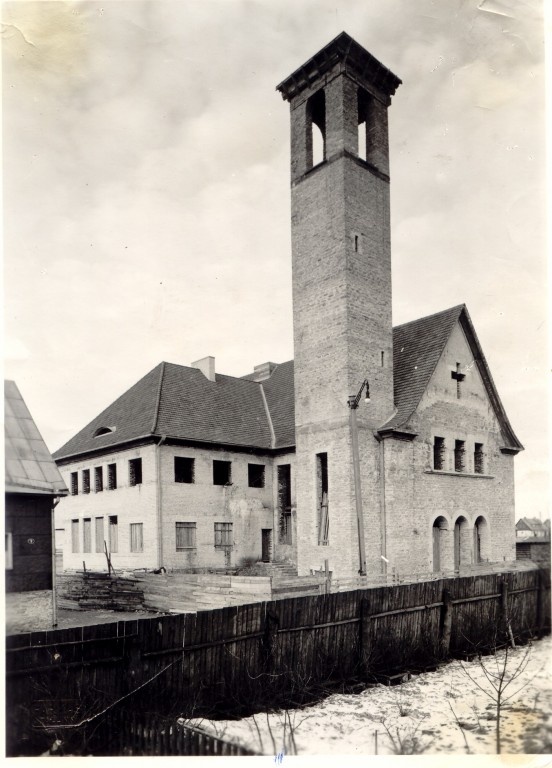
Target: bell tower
341,295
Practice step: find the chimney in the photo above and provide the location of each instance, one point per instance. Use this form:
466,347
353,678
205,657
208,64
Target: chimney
207,367
263,371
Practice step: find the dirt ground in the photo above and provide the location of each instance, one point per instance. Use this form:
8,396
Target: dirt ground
67,618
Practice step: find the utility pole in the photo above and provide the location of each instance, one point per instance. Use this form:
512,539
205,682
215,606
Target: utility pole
353,402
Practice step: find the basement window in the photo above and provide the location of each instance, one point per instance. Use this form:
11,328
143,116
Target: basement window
459,455
322,498
98,479
478,459
223,535
256,475
183,470
136,537
439,453
222,472
74,483
185,536
135,471
86,481
111,477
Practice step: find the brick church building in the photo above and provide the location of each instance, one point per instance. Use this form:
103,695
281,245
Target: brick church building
377,448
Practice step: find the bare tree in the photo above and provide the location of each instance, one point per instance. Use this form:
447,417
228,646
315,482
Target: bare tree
500,671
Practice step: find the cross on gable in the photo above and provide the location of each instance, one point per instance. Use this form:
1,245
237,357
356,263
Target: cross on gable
459,377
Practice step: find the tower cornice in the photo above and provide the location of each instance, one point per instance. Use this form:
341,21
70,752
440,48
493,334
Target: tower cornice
345,53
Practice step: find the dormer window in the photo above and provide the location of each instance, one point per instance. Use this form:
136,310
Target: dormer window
104,431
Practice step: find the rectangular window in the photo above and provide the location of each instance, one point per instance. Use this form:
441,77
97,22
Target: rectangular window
111,477
185,536
223,535
113,534
87,534
99,534
459,455
74,483
136,537
86,481
439,453
9,551
478,459
135,471
322,493
256,475
183,470
75,536
284,503
98,479
222,472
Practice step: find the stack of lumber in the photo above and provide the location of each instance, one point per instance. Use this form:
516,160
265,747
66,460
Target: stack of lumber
89,591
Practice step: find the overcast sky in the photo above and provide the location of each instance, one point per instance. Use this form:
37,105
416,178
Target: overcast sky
146,189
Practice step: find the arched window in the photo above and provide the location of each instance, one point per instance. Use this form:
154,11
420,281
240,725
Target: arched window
104,431
462,543
316,113
481,541
364,118
440,527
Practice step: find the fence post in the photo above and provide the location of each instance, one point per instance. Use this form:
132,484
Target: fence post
269,638
446,624
541,603
364,637
504,611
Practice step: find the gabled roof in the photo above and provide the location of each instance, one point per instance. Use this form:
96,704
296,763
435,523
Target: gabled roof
30,467
531,524
179,402
417,349
280,397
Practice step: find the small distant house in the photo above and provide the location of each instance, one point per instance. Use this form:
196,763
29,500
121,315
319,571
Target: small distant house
532,527
33,486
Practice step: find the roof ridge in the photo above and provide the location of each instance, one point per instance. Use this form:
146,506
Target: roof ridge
458,307
158,399
269,417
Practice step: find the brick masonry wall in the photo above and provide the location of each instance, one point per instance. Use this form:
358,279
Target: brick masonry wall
28,611
416,494
131,504
342,321
250,510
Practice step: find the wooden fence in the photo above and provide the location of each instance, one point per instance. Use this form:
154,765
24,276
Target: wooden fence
240,658
125,732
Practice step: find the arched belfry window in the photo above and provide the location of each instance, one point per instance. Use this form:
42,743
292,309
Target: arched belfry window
363,124
316,129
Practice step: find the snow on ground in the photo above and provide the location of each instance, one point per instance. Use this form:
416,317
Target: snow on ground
447,711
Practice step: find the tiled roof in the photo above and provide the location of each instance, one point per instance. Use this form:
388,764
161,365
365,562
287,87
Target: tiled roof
280,397
417,347
179,402
531,524
30,467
